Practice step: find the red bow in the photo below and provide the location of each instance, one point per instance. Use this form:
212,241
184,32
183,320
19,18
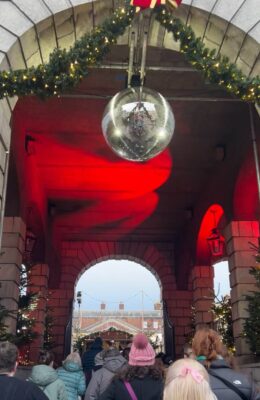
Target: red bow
154,3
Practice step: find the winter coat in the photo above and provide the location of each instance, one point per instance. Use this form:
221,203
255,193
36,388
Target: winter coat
222,369
73,377
46,378
102,378
89,356
12,388
145,389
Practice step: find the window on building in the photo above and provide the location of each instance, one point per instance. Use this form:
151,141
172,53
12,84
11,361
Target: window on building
145,325
155,324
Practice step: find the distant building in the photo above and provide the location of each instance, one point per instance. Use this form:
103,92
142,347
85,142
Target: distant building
86,322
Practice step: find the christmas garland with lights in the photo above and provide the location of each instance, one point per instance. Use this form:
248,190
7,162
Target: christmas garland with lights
66,68
216,68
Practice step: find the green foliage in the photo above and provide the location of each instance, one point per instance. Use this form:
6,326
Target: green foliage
25,332
66,68
222,310
252,323
48,342
192,327
216,68
27,303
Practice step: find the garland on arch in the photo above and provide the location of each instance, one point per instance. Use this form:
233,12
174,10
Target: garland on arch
215,67
66,68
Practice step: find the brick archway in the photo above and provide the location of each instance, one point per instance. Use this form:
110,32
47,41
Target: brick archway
158,257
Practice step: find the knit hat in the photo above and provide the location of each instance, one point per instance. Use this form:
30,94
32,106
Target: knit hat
141,353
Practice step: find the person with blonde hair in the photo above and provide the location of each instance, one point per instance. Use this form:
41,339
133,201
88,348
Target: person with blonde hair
187,379
72,375
225,382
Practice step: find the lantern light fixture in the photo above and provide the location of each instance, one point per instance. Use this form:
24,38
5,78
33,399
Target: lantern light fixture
216,241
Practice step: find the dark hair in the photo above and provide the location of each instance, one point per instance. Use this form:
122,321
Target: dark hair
8,356
45,357
131,372
125,353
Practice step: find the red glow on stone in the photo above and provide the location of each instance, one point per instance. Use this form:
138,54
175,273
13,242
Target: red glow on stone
210,220
69,161
245,193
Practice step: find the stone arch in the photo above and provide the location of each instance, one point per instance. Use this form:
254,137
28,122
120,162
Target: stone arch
158,257
79,256
125,258
32,31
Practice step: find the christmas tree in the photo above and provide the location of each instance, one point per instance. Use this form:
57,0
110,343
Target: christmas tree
222,311
27,303
252,323
48,342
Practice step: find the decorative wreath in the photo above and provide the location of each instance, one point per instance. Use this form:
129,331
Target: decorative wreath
67,67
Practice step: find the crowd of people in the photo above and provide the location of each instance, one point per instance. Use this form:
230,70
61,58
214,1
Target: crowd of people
204,373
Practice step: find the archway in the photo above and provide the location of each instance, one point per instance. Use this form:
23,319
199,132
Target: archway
53,27
116,299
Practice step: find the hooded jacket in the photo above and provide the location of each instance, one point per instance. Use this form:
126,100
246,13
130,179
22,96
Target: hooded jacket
73,377
46,378
101,379
89,356
221,368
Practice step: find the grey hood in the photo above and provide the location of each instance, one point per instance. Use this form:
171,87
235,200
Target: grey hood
114,363
43,375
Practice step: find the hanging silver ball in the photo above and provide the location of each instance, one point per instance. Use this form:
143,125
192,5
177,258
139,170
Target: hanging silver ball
138,124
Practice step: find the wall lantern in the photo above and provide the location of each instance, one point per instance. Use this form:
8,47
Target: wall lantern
30,241
216,243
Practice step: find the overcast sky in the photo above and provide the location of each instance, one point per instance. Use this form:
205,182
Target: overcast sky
118,280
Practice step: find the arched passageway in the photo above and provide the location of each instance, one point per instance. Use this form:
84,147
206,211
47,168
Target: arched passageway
116,299
89,205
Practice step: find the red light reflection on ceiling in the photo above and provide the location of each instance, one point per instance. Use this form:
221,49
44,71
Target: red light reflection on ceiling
69,161
210,220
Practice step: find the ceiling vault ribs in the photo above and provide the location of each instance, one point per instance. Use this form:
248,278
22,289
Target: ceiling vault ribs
244,40
19,41
54,23
34,26
73,19
208,19
229,24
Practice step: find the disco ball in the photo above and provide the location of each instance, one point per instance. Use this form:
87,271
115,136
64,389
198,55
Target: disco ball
138,124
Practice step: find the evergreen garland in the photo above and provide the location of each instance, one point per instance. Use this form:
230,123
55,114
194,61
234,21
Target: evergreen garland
216,68
66,68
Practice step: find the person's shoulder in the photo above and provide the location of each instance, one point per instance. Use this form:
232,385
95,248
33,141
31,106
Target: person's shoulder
28,390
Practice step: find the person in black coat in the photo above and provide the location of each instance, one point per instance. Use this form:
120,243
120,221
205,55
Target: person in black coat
12,388
225,382
141,378
88,358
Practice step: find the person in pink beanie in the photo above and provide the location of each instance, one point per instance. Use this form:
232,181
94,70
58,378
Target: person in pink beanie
142,379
